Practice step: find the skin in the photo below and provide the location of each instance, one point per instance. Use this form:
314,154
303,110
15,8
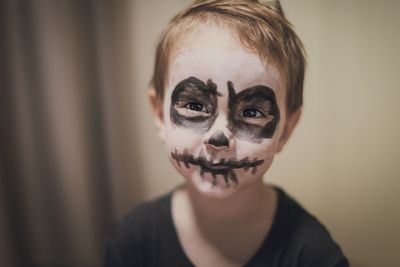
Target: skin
189,101
252,115
221,219
220,73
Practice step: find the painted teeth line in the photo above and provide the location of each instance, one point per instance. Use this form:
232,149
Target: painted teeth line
228,175
206,167
189,159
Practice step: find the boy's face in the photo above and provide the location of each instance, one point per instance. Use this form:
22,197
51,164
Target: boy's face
223,113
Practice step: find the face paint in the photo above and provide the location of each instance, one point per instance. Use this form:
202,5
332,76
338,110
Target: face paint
193,104
223,167
218,139
253,113
218,135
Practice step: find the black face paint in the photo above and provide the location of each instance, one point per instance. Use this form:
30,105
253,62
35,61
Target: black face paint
255,98
224,167
194,104
218,139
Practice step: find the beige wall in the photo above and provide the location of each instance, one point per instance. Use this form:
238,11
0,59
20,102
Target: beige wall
342,162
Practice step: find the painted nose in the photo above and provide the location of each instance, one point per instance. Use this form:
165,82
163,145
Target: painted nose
218,141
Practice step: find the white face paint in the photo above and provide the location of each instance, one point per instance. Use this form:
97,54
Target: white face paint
223,113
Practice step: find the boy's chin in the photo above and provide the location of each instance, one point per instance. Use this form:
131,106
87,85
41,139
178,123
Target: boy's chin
212,187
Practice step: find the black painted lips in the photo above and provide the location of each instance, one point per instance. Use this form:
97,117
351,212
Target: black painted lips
224,168
216,166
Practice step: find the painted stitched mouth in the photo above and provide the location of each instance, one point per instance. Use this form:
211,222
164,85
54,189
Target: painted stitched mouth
224,167
216,166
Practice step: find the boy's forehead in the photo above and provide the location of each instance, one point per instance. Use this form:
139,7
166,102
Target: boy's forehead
217,54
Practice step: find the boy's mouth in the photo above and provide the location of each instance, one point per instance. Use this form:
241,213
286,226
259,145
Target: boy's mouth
223,167
216,166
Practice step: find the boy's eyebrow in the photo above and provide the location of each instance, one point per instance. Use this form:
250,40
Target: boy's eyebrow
250,93
257,92
209,88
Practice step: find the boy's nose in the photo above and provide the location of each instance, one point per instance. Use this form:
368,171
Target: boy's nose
219,140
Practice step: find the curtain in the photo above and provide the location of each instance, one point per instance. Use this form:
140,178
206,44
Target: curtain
67,170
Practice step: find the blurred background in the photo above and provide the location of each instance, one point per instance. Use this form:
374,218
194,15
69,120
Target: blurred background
79,148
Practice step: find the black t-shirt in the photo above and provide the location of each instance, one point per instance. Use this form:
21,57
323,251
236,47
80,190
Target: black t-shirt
147,237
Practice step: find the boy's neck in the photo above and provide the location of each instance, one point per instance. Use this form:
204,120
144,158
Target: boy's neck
226,231
248,203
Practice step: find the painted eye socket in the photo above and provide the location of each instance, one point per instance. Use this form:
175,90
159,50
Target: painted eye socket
195,106
252,113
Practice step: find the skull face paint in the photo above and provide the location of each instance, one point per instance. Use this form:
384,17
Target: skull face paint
223,167
224,114
253,113
193,104
218,139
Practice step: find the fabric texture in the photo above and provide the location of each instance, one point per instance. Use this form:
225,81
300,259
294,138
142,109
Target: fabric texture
147,237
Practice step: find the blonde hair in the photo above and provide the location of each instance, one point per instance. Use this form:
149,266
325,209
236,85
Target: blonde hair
261,27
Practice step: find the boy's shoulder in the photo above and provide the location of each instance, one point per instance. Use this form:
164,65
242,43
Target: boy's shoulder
132,243
146,215
302,237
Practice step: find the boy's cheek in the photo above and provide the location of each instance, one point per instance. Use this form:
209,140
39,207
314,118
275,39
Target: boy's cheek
181,139
265,149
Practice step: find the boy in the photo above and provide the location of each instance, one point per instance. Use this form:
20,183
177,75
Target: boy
227,94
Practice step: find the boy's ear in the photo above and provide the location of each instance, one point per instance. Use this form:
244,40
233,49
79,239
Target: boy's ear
156,104
290,124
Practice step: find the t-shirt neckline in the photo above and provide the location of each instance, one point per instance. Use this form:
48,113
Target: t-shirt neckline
183,260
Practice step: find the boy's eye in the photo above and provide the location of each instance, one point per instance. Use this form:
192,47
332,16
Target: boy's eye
196,107
252,113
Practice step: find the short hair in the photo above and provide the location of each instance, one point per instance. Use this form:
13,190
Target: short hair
260,27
